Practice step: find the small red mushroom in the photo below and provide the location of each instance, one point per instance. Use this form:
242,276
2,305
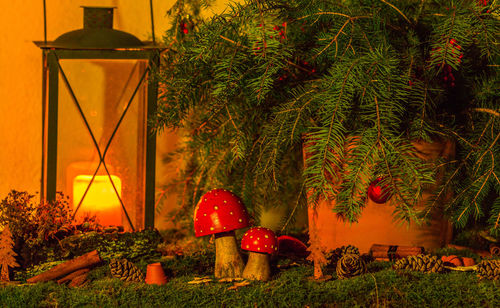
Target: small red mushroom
261,243
292,247
220,212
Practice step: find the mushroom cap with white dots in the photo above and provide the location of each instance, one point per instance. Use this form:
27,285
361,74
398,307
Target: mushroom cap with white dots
219,210
260,239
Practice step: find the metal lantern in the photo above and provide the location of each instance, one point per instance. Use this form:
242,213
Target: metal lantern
97,146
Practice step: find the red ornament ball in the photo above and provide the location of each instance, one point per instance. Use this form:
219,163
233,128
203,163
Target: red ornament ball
378,193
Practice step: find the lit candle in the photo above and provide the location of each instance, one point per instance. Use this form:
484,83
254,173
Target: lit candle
101,199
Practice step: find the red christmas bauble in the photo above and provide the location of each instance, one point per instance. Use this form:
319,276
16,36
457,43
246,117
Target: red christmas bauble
378,193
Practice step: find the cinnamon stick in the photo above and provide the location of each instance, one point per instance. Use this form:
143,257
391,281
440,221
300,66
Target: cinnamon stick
78,280
388,252
71,276
84,261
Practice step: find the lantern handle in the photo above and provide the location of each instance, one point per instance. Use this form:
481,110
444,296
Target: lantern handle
44,22
152,20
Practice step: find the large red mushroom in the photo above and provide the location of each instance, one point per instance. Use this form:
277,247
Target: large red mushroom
220,212
261,244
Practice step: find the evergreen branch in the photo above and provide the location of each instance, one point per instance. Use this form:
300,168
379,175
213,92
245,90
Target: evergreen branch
294,209
422,116
496,177
215,77
419,13
299,67
357,172
485,180
264,34
487,110
397,10
484,27
324,13
334,40
447,45
366,38
262,80
349,44
379,130
457,169
484,132
298,117
393,182
464,191
231,119
332,120
454,133
233,42
489,148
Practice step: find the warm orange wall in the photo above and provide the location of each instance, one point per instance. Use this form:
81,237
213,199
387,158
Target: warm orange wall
21,22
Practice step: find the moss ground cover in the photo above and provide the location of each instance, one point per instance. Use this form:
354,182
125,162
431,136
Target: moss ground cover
289,288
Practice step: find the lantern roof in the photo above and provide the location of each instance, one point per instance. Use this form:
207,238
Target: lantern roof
97,33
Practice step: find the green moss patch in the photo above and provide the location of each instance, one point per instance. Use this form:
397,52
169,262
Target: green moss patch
291,287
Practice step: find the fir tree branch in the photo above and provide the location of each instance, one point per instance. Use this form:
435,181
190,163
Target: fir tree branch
454,133
332,120
233,42
298,117
448,38
397,10
294,209
455,172
379,130
231,119
488,149
424,103
419,13
484,132
496,178
485,180
465,191
487,110
263,29
262,80
357,172
484,29
334,40
324,13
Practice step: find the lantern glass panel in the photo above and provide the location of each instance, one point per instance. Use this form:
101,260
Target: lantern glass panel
116,117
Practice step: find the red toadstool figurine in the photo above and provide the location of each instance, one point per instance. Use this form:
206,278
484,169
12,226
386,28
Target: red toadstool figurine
220,212
261,243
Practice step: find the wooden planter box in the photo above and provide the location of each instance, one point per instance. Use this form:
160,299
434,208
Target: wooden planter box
376,224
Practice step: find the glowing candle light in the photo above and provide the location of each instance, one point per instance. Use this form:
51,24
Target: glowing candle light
101,199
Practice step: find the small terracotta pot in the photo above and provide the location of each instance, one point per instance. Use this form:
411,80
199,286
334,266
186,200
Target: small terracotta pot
456,261
468,261
155,274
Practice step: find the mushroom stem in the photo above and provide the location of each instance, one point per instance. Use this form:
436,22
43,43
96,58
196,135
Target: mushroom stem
228,261
258,267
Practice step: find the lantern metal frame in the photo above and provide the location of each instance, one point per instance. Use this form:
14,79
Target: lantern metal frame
52,53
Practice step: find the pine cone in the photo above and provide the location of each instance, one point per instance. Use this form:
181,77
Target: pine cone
350,265
489,269
334,256
125,270
421,263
